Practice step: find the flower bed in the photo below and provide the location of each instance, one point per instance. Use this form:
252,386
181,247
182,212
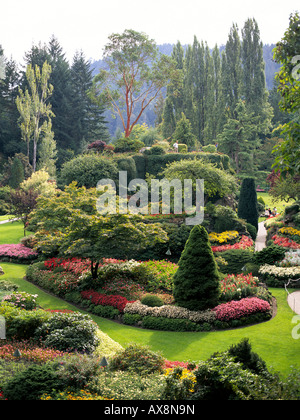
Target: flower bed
117,302
29,351
22,300
238,286
223,237
277,276
285,242
291,259
244,243
238,309
17,252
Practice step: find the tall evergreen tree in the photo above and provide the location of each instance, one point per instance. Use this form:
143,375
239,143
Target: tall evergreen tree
232,72
9,129
247,208
254,80
234,139
196,282
88,121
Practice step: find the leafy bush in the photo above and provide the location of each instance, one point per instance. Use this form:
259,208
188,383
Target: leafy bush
168,324
236,260
69,332
33,382
139,359
76,370
269,255
252,231
222,379
152,301
242,353
120,385
88,170
22,300
21,324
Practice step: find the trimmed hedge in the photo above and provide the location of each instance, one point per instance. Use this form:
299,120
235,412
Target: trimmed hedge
155,164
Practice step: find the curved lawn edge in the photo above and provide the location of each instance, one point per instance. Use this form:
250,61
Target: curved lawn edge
272,340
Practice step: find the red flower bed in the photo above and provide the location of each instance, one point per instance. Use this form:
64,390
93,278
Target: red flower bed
244,243
238,309
116,301
285,242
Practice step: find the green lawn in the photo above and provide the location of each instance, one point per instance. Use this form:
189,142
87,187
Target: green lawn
11,233
279,204
272,340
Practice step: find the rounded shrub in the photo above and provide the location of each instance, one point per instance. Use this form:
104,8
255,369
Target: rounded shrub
152,300
138,359
88,170
69,332
32,383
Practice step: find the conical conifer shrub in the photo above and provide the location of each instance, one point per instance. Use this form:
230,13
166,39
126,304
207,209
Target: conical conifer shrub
197,282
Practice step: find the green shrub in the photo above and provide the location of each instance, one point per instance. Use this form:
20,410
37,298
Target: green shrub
152,300
75,371
88,170
105,311
242,352
182,148
22,324
139,359
69,332
157,150
196,282
252,230
7,285
33,382
131,319
127,164
169,324
124,145
269,255
236,260
210,148
222,379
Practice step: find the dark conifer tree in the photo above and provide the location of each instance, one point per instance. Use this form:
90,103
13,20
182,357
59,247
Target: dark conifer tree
247,208
196,282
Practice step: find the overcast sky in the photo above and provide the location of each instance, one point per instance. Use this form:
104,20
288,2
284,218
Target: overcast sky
87,24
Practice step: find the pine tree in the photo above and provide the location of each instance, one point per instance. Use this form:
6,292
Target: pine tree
234,139
196,282
183,132
247,208
88,122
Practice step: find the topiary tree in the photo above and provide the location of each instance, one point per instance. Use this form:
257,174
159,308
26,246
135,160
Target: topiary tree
196,282
247,208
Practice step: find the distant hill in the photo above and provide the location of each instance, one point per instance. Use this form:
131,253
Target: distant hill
149,116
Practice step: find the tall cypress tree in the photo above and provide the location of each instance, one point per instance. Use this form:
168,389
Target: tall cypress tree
232,72
254,80
247,208
196,282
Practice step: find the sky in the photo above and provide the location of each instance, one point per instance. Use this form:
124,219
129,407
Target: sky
86,25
